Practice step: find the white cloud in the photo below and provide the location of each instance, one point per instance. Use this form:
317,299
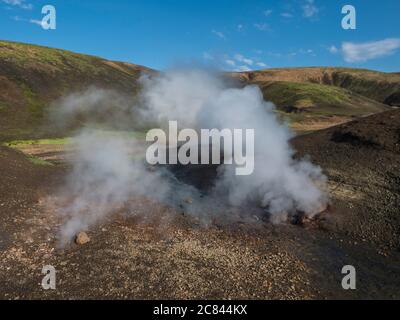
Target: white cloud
219,34
333,49
240,27
19,3
243,69
230,62
307,51
362,52
33,21
242,59
287,15
37,22
261,65
267,13
310,10
262,26
240,63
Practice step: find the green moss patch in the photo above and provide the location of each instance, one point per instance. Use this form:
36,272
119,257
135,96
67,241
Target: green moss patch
39,162
60,141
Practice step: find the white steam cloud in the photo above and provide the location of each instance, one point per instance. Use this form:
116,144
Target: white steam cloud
104,176
109,168
198,99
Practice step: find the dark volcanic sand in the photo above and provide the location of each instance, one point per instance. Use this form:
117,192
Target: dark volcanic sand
173,257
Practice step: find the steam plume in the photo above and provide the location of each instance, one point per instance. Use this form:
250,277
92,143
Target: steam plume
109,169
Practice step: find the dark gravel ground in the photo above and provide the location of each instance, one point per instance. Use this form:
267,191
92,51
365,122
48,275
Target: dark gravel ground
175,258
362,161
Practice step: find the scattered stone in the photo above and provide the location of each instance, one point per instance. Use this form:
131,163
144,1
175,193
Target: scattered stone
82,238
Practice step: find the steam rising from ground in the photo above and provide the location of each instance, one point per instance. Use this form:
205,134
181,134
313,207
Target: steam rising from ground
109,168
103,177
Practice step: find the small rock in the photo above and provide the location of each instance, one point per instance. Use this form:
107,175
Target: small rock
82,238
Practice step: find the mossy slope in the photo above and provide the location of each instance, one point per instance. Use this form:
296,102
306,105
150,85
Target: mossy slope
31,77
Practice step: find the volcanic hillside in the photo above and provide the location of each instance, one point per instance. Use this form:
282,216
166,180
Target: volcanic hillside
379,86
314,98
31,77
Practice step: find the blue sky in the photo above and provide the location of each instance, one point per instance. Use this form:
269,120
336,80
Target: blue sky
229,34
